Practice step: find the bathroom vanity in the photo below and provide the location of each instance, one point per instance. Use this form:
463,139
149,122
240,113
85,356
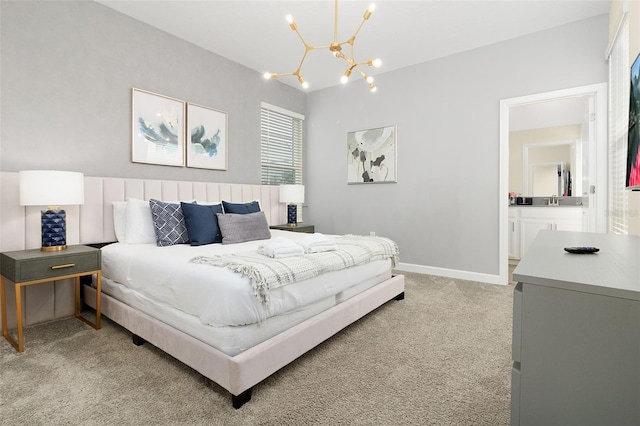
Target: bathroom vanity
526,221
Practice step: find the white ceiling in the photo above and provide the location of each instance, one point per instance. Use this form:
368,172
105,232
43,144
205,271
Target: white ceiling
401,33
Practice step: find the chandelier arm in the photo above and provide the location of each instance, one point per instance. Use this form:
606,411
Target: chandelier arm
355,34
285,74
319,47
335,22
362,73
301,38
297,71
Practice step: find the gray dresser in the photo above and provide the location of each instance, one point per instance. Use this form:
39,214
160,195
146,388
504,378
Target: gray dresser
576,332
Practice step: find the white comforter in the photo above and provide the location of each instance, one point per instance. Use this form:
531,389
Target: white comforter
218,296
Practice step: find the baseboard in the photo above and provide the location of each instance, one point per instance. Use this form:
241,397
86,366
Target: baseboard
451,273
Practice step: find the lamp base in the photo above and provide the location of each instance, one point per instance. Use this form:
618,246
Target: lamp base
53,248
292,214
54,230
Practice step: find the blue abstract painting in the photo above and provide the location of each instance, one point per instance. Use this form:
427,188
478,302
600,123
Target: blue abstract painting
157,129
207,133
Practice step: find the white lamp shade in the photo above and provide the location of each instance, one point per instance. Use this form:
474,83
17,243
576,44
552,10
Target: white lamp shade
292,193
51,188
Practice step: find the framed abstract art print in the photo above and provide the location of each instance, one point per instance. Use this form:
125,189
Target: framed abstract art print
371,155
207,137
157,129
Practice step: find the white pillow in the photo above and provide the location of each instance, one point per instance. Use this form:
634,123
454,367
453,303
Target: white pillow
120,220
139,229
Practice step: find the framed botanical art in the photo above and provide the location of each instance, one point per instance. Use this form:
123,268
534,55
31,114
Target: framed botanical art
207,137
371,155
157,129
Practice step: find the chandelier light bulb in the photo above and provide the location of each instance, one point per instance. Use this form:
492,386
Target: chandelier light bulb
267,75
292,23
376,63
369,11
369,79
344,79
304,84
373,87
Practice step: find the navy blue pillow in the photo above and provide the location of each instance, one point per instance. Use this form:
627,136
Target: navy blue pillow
241,208
202,223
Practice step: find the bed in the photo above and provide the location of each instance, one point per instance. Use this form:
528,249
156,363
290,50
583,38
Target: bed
195,293
236,348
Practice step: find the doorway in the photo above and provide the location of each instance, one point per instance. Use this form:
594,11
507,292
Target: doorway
595,136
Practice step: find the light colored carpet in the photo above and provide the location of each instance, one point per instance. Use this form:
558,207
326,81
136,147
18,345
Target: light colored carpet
442,356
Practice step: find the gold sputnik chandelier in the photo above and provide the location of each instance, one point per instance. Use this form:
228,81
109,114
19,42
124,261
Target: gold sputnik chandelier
336,48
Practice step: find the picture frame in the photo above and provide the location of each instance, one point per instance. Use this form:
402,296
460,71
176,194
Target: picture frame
206,137
372,156
157,128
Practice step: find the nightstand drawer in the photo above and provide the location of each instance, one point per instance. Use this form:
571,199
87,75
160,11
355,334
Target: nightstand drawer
47,268
31,265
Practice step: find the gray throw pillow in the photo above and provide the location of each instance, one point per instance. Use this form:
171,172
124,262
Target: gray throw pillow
238,228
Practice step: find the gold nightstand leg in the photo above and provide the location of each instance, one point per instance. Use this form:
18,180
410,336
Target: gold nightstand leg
3,300
20,347
76,310
98,298
95,325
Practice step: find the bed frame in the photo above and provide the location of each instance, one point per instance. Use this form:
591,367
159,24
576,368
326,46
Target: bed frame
238,374
92,223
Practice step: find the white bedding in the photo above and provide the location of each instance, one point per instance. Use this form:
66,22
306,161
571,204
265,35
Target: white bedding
217,296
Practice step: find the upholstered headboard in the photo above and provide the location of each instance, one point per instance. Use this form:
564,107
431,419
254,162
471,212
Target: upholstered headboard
92,222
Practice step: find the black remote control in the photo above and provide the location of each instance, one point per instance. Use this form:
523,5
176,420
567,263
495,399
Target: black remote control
582,250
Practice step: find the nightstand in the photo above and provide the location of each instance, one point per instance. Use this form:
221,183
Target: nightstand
28,267
309,229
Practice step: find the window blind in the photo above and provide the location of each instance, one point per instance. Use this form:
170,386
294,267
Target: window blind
619,84
281,146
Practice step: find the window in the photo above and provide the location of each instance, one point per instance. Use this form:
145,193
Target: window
281,146
619,82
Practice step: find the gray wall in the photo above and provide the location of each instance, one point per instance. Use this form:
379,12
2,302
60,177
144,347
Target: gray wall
67,72
443,212
68,68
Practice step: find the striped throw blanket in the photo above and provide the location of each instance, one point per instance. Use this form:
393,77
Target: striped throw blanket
267,273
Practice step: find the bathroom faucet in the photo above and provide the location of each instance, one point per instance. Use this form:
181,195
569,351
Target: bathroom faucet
554,200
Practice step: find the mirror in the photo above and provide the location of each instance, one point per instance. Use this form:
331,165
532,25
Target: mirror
551,169
546,179
544,136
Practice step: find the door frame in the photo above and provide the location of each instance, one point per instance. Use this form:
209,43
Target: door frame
597,122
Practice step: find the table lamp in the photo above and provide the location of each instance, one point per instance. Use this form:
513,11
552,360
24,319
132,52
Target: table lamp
292,195
52,189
